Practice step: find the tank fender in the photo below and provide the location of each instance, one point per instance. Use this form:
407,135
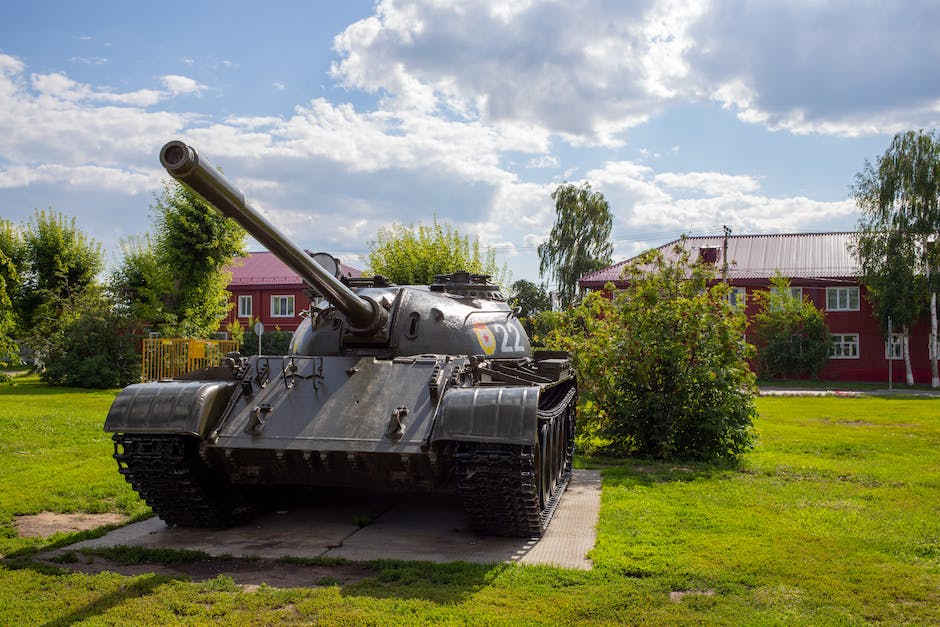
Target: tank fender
169,407
489,414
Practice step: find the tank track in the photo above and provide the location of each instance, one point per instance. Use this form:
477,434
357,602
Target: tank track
169,475
499,483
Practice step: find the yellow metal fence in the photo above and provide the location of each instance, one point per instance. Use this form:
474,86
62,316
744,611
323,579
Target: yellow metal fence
166,358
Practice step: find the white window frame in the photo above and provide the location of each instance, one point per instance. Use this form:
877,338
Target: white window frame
276,309
840,298
738,296
894,347
844,346
245,306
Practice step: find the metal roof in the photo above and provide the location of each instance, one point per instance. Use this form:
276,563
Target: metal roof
796,255
263,268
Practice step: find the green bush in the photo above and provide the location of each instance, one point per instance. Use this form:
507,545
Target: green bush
538,326
273,342
790,334
662,365
92,351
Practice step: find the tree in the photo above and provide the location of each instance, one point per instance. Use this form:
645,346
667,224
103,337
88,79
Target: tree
895,287
177,280
412,255
790,333
580,239
10,253
662,364
901,194
58,267
529,298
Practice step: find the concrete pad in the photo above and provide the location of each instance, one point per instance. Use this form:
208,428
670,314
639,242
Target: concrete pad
421,527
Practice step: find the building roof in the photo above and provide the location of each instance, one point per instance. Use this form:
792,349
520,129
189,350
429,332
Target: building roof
263,268
796,255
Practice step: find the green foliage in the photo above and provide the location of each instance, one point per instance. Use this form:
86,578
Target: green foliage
273,341
580,239
899,199
540,325
412,255
790,333
531,300
529,297
93,350
662,365
176,281
889,265
10,253
58,265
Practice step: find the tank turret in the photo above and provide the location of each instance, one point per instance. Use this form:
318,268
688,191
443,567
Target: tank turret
397,387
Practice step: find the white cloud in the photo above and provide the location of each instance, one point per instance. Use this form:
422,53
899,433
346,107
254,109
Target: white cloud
643,200
524,63
708,183
833,68
87,176
176,85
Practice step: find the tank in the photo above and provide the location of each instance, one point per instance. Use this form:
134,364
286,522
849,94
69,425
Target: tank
402,388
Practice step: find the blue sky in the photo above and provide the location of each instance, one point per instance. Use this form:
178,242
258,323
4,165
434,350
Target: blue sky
338,118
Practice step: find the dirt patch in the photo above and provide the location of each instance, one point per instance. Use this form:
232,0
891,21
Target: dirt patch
48,523
248,574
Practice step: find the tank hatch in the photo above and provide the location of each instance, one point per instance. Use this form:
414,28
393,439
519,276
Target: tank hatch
467,285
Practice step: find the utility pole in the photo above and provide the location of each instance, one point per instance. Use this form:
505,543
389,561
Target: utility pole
724,254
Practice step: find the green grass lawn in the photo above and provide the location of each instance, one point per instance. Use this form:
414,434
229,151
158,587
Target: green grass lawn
833,519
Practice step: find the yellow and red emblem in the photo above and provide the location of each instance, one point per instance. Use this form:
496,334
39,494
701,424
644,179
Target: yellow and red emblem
486,338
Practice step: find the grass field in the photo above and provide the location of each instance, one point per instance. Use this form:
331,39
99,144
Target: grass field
833,519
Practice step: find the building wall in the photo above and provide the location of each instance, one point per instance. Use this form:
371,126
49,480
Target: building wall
261,305
871,364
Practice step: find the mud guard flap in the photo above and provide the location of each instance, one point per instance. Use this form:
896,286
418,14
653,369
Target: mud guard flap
191,407
489,414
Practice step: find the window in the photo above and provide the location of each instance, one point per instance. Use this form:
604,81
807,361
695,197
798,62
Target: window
844,346
738,296
894,347
282,306
244,306
842,298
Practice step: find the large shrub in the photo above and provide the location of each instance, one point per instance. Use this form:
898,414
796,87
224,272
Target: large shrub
92,351
790,333
662,364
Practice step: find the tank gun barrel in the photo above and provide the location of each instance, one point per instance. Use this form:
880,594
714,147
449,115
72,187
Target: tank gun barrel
185,165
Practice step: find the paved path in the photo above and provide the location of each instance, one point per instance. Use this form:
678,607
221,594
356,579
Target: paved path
426,527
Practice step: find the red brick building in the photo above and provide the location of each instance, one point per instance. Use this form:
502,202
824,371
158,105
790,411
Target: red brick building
264,288
821,268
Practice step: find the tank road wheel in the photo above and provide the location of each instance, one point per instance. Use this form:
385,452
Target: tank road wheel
513,490
169,475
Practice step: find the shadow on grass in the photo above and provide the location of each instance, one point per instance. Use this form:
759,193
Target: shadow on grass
453,582
139,587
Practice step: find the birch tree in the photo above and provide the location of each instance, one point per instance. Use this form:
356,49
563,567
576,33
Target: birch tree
896,289
580,239
899,194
